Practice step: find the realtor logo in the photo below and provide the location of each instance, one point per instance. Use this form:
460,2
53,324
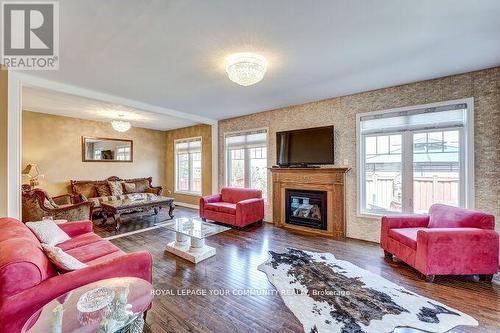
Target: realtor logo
30,35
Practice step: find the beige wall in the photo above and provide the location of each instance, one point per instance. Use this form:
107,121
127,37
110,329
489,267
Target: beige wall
341,112
3,141
205,131
54,143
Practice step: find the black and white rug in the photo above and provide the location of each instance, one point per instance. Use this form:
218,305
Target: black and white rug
331,295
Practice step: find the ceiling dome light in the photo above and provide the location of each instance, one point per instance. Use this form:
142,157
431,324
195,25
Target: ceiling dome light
245,68
120,125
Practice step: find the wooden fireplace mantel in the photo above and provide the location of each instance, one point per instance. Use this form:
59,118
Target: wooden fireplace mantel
331,180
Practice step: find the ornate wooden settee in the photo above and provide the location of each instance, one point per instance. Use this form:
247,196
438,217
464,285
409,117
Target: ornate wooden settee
37,203
113,188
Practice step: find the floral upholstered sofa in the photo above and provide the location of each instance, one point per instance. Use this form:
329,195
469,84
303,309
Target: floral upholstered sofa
113,188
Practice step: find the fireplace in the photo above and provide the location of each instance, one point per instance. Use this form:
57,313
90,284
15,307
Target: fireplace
306,208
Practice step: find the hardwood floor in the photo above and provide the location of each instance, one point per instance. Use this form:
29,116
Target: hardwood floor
234,270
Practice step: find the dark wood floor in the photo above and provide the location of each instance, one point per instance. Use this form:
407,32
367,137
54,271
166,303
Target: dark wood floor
234,268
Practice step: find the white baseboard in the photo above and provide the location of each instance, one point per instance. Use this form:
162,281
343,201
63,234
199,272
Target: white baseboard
183,204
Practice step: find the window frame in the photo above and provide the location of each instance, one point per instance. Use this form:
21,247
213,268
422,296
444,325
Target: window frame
246,158
466,158
190,166
126,148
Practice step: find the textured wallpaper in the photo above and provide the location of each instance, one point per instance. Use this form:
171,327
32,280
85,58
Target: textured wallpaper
341,112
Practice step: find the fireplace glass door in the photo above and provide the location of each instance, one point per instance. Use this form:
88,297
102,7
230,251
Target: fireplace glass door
306,208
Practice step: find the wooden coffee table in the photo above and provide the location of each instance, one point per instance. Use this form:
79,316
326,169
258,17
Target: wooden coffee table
117,207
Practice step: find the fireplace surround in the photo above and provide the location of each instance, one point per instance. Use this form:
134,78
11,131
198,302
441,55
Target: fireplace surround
329,180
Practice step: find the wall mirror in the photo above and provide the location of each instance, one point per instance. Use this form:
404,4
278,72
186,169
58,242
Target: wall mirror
107,150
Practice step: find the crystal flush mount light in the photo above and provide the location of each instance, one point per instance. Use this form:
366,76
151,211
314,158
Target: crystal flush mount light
120,125
245,68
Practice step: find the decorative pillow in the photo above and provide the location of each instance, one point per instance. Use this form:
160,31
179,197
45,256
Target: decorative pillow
48,232
141,185
61,259
116,187
151,190
87,189
129,187
49,202
103,190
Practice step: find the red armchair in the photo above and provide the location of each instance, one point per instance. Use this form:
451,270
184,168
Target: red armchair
235,206
28,280
448,241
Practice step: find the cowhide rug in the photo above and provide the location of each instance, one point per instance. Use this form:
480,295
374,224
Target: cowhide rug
331,295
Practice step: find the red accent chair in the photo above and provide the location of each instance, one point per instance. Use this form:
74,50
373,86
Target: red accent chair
235,206
28,280
447,241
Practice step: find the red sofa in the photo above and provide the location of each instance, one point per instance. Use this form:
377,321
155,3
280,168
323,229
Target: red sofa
28,280
235,206
447,241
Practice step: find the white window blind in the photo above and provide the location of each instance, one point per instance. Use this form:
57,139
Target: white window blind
188,145
421,119
246,140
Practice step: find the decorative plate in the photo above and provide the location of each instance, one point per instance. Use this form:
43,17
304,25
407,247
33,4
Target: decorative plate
95,299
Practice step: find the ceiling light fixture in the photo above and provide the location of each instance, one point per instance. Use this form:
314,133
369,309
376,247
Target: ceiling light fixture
120,125
245,68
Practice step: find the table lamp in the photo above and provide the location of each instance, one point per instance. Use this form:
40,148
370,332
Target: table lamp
33,173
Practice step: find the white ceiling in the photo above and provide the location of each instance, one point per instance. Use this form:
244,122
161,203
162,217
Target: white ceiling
170,53
62,104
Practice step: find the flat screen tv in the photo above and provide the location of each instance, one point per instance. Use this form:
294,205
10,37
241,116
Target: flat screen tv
310,146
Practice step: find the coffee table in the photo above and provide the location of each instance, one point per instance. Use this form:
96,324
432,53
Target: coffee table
124,313
190,234
117,207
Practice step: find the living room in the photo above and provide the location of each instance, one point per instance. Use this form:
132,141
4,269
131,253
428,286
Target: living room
71,160
254,178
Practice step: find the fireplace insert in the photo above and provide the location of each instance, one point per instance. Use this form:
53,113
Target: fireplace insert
306,208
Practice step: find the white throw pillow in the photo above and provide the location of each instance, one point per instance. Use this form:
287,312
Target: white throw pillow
48,232
61,259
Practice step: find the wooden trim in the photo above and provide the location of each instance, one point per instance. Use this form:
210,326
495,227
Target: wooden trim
331,180
84,159
73,183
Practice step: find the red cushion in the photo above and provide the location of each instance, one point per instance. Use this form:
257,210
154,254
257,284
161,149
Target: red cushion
443,216
80,240
236,194
105,258
92,251
407,236
221,207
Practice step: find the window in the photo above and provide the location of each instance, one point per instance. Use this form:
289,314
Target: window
188,166
411,158
246,160
97,154
123,153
